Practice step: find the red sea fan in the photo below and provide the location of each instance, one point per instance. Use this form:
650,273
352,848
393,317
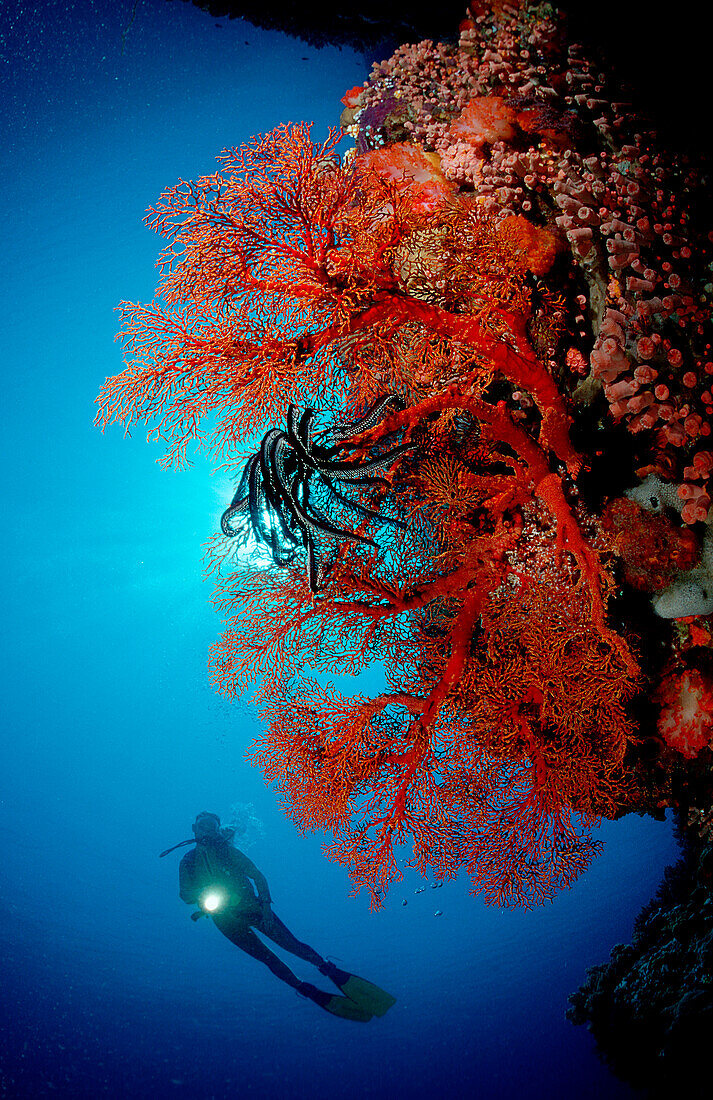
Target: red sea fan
463,557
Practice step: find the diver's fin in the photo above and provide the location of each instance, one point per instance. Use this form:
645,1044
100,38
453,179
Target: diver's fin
363,993
348,1009
338,1006
367,995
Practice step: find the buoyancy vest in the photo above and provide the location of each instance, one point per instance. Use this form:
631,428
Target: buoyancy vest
218,867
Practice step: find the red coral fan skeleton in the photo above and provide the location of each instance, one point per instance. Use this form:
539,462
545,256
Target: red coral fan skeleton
419,325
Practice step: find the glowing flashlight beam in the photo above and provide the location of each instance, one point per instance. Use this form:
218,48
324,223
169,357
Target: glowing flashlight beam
211,902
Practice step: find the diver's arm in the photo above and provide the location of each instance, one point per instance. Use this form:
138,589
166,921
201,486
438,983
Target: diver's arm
248,868
187,887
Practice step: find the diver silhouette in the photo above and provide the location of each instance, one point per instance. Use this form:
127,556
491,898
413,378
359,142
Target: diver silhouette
216,876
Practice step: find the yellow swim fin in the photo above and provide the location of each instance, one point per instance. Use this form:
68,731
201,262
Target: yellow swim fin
338,1006
369,996
365,994
348,1009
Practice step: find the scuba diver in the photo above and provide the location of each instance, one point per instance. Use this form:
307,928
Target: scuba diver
216,875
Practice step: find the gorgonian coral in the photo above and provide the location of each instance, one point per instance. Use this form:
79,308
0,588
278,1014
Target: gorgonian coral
443,332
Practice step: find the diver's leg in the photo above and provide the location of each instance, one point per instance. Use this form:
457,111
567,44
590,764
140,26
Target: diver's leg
241,934
365,996
280,934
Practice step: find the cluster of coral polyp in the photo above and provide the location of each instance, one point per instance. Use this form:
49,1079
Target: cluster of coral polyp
477,346
530,126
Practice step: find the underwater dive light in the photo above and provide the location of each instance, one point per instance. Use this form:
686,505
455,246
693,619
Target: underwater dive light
212,901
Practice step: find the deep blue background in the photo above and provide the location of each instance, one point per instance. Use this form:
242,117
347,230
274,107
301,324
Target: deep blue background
112,738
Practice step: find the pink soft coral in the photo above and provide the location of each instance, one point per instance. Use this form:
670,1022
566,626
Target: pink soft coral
686,717
485,120
409,166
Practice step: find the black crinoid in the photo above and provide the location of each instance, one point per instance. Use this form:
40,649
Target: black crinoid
286,485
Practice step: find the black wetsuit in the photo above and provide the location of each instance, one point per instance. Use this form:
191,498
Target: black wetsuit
217,864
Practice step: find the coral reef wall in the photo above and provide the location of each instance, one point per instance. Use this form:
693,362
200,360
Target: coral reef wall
477,346
479,341
650,1008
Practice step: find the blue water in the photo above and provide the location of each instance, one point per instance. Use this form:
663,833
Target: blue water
112,738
